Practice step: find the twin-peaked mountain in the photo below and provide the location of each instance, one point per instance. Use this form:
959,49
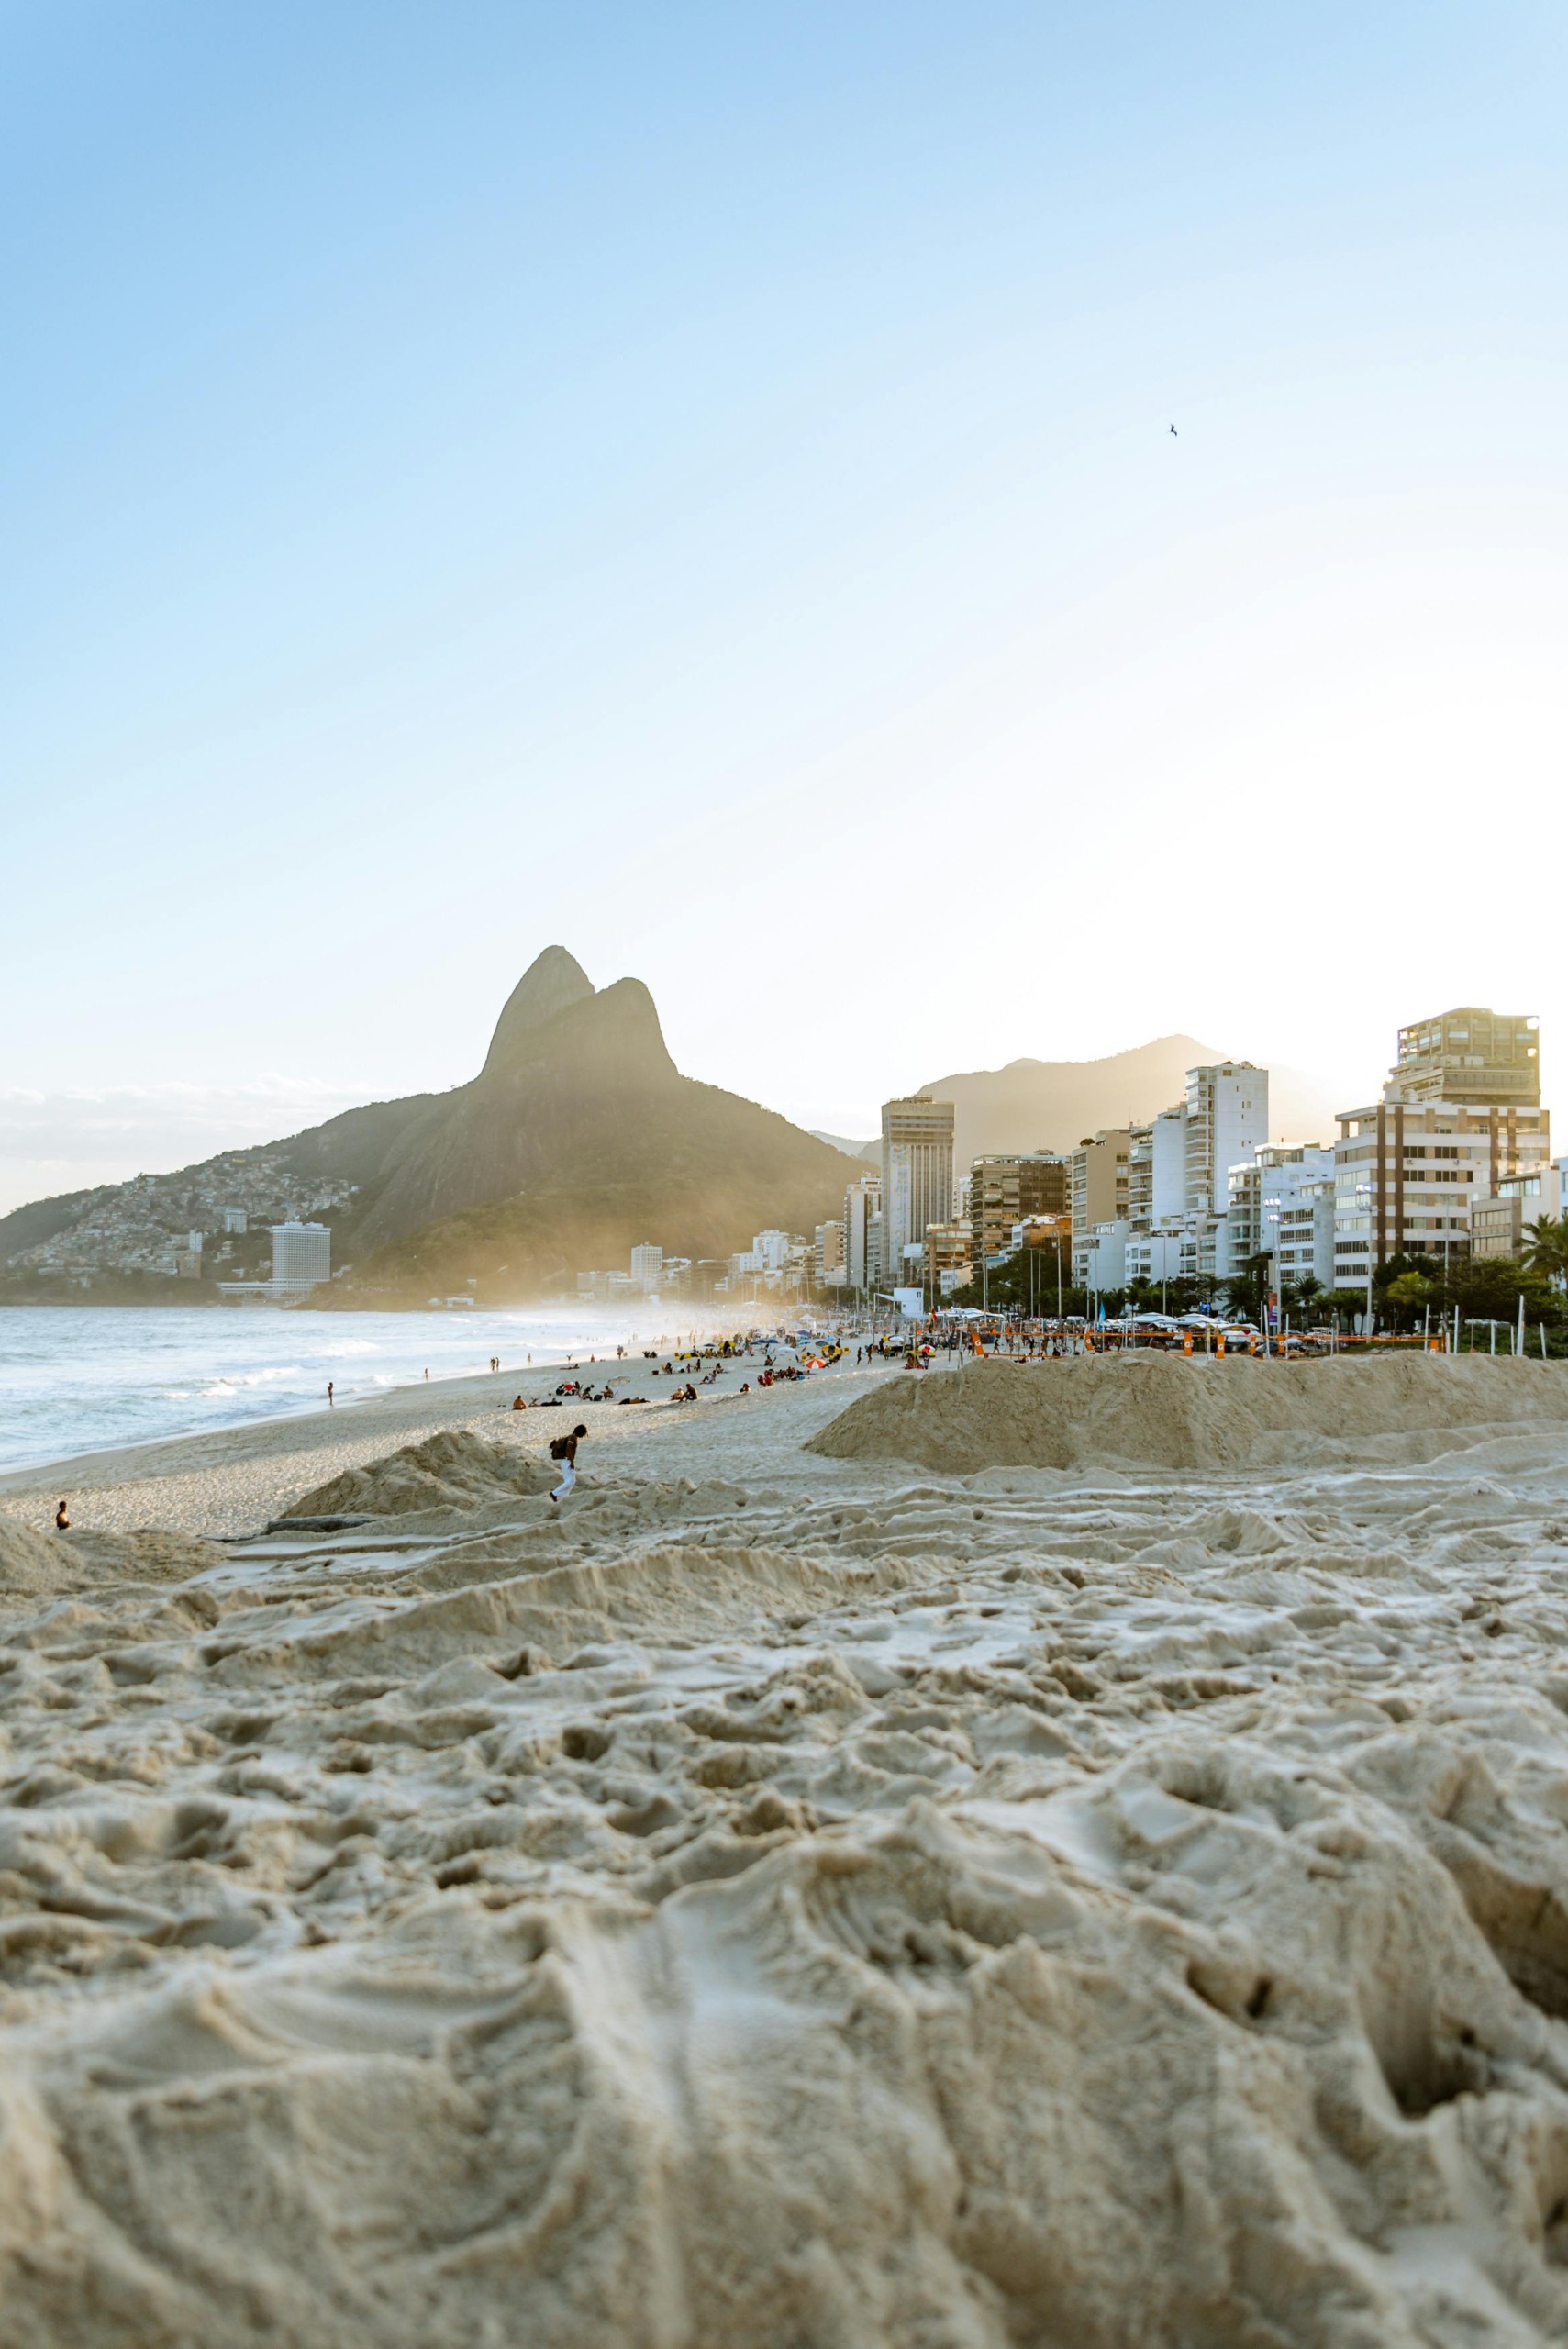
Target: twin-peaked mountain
578,1138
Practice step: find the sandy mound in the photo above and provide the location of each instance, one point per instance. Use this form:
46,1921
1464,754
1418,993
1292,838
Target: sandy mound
1163,1411
821,1908
454,1470
31,1561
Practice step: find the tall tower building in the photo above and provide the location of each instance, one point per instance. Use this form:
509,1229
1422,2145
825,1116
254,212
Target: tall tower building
1460,1121
1469,1055
1157,1170
1006,1192
1227,1117
862,1232
916,1174
302,1256
647,1265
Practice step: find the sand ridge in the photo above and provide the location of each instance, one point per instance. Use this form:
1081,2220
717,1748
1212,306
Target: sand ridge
1163,1410
777,1900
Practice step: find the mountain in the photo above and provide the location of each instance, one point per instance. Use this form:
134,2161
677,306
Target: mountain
1051,1104
578,1139
869,1153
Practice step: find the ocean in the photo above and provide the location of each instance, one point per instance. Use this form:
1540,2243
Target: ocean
84,1378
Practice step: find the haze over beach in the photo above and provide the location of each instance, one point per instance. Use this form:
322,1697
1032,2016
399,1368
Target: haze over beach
665,1681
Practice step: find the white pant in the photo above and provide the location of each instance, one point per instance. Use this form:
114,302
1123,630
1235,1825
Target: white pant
568,1478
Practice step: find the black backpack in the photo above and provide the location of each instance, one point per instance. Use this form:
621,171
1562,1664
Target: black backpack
558,1447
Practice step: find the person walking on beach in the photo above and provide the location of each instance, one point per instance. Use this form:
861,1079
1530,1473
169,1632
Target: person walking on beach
564,1448
329,1394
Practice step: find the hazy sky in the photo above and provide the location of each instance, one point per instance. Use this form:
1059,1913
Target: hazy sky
695,483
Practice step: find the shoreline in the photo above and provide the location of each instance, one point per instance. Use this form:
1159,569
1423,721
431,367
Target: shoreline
229,1481
593,1353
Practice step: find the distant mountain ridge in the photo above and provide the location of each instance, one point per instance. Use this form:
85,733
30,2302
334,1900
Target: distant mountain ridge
1051,1104
867,1154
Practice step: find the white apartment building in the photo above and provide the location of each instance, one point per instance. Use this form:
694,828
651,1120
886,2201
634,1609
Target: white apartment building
916,1171
862,1232
1171,1254
1295,1211
1302,1219
302,1257
648,1267
1104,1257
1226,1120
1157,1170
1282,1204
1161,1243
772,1248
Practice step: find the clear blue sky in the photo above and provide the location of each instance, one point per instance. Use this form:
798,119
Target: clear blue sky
695,483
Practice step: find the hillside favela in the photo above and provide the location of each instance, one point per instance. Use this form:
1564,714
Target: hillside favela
783,1293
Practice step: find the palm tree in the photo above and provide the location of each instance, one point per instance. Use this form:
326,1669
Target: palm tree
1546,1247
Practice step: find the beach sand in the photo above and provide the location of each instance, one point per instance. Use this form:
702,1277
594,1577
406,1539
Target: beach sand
1075,1857
231,1480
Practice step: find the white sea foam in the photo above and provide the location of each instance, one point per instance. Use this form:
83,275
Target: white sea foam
85,1378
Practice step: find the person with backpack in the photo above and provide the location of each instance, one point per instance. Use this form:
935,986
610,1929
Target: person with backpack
565,1448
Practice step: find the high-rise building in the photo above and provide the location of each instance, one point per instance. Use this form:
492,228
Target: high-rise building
1404,1175
827,1254
1096,1192
1227,1120
1005,1192
1471,1056
1157,1170
1282,1205
774,1247
917,1173
862,1232
302,1256
648,1267
1407,1168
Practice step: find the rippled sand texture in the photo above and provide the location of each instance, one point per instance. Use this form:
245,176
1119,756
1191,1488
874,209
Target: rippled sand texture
843,1904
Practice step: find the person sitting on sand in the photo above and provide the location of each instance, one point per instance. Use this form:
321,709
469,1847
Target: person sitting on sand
518,1404
564,1448
62,1519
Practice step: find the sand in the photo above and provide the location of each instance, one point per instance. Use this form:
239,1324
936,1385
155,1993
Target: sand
775,1899
1159,1410
234,1479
